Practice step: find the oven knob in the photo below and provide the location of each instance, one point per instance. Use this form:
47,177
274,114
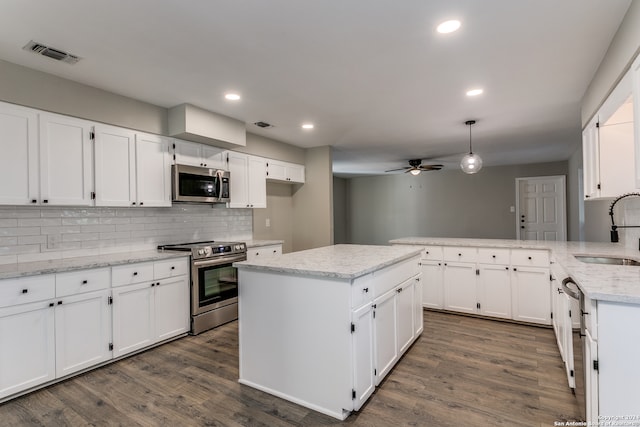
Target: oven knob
200,251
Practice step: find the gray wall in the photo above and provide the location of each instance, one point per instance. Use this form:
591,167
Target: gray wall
438,204
313,202
279,212
620,54
340,210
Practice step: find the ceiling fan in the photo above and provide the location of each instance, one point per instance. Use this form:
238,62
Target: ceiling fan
416,166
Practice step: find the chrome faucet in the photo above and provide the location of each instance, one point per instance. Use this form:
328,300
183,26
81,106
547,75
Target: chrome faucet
614,227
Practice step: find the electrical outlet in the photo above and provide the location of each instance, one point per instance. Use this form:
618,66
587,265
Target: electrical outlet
268,222
512,209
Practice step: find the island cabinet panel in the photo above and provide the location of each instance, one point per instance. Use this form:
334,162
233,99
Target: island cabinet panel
322,341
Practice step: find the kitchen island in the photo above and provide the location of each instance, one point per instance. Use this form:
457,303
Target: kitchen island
323,327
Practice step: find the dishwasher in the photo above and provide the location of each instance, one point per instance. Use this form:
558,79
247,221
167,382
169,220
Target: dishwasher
574,341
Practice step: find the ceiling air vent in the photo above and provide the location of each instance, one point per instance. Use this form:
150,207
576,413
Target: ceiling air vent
57,54
263,125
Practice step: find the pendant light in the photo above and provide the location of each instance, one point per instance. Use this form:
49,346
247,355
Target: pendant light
471,163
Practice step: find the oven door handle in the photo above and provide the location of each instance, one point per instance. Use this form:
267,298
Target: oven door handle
217,261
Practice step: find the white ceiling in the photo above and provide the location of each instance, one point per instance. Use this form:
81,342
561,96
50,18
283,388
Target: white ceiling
380,84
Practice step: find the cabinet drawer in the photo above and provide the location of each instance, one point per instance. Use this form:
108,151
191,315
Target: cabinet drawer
263,251
131,273
390,277
27,289
452,253
532,258
361,291
77,282
170,268
493,256
433,253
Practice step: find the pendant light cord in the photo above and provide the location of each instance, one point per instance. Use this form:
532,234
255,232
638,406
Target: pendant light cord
470,150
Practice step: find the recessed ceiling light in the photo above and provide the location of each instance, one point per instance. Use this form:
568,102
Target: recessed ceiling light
448,26
307,126
474,92
232,96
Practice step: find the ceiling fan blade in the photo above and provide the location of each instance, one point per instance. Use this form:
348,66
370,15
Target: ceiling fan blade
431,167
401,169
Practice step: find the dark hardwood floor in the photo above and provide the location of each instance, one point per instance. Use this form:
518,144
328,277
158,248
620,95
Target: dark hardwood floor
462,371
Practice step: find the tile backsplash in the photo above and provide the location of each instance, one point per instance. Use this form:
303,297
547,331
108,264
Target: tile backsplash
43,233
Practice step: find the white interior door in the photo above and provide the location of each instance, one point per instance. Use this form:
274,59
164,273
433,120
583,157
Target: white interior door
541,208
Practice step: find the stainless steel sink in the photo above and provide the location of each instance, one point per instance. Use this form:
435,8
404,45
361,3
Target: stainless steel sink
611,260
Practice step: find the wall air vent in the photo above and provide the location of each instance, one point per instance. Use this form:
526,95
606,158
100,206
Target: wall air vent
57,54
263,125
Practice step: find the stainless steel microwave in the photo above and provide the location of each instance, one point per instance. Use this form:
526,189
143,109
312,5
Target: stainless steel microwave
199,185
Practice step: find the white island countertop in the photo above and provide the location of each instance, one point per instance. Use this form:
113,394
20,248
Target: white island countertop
339,261
616,283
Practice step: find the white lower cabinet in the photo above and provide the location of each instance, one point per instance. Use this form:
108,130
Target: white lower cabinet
432,290
460,287
363,363
27,341
385,332
405,315
149,312
52,326
83,331
494,291
531,295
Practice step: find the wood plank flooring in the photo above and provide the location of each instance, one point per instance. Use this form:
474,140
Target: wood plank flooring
461,371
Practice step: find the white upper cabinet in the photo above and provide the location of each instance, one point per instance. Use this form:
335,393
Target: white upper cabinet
153,171
248,184
66,163
608,145
635,86
195,154
131,169
19,165
114,166
284,171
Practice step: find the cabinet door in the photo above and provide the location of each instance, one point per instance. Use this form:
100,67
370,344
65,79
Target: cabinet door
591,379
153,171
276,170
531,295
83,331
214,157
385,334
635,84
27,336
406,315
494,290
239,181
362,344
19,165
187,153
432,288
114,166
460,287
566,333
66,161
295,173
171,307
257,182
418,321
133,318
590,160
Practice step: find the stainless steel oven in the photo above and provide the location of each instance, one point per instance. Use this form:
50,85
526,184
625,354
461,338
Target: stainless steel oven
214,282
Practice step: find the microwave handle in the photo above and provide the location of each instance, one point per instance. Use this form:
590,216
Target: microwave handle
219,184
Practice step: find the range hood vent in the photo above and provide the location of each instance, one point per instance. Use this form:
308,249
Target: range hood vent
49,52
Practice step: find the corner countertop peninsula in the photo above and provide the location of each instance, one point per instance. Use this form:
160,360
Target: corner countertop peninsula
614,283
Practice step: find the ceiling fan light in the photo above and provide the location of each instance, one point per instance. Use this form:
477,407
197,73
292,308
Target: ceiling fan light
414,172
471,163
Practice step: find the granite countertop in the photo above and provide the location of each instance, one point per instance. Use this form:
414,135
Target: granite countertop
339,261
10,271
258,243
601,282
